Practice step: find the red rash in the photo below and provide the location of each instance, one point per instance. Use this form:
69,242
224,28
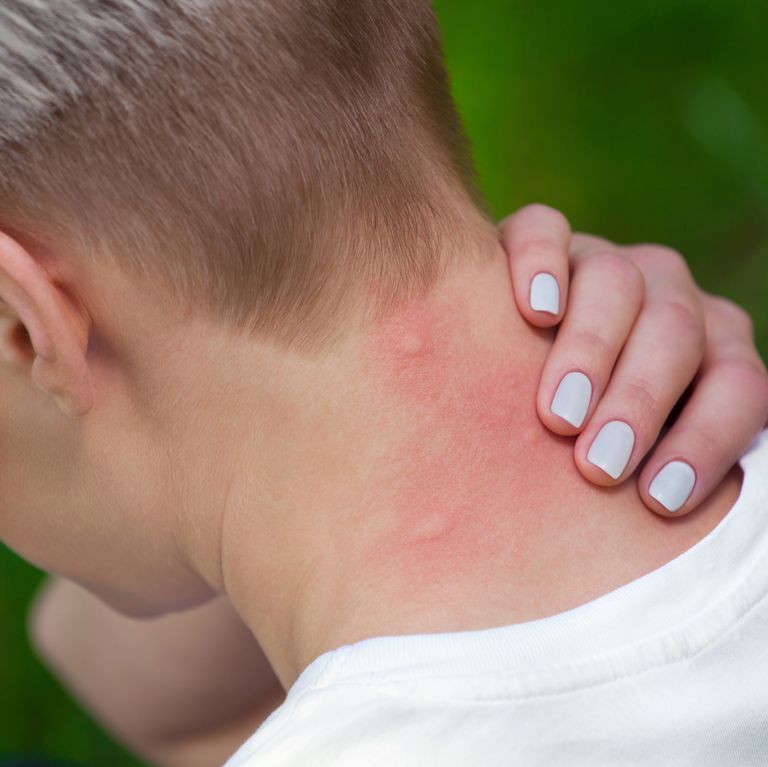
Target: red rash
444,489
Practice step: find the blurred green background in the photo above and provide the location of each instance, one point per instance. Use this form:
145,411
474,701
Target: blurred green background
640,121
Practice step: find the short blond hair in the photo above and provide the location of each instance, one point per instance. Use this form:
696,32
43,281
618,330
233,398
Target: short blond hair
263,161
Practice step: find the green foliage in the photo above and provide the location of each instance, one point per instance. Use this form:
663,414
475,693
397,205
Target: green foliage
641,121
36,716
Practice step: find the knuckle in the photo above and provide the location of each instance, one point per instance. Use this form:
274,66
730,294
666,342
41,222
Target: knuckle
538,245
620,269
749,376
763,403
660,258
684,320
597,345
642,398
543,214
536,231
762,396
729,312
708,444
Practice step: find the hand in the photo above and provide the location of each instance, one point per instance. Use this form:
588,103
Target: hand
636,334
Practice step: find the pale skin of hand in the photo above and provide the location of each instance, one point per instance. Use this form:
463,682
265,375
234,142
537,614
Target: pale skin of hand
632,319
189,688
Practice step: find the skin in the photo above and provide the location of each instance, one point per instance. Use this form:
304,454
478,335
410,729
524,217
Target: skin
443,485
401,483
464,422
185,689
463,406
641,330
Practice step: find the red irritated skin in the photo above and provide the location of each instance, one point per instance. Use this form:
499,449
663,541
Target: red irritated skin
447,486
474,505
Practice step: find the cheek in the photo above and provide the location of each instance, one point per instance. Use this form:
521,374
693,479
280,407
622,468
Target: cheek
77,499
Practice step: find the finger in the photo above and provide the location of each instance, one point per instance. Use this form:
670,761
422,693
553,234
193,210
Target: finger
606,295
727,408
536,239
656,365
581,243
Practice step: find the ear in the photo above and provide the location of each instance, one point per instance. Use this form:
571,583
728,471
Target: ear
45,329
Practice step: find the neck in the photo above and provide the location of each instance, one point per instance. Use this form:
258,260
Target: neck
404,484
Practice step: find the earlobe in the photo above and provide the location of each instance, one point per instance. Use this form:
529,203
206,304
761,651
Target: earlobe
71,387
56,325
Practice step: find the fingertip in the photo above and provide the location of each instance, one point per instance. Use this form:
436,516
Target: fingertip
660,510
595,474
603,456
538,301
555,423
670,489
544,297
536,239
540,319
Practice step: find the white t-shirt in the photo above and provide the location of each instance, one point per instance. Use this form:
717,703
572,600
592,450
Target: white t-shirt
670,669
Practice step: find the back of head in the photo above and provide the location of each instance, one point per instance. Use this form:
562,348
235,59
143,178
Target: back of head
269,163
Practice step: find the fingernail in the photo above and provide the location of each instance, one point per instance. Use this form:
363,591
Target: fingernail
571,400
673,484
545,293
612,447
